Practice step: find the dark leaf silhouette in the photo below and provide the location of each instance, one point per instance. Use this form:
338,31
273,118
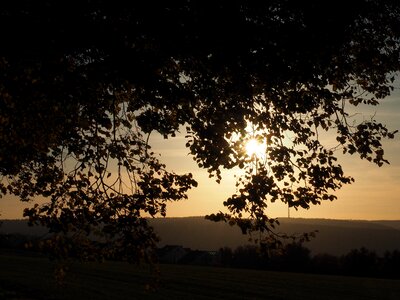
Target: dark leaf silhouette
82,87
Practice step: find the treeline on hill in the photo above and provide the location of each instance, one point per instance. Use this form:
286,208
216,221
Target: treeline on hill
293,257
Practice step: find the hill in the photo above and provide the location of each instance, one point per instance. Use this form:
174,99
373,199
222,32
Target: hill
335,237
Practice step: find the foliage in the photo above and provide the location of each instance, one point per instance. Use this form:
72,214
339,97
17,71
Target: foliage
360,262
82,87
17,241
296,257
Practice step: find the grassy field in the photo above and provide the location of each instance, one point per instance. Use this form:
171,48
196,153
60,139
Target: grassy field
29,277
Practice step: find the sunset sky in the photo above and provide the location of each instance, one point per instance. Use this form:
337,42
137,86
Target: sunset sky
375,194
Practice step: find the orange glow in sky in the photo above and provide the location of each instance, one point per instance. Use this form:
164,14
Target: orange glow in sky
375,195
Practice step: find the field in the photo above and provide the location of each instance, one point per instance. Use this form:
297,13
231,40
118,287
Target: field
30,277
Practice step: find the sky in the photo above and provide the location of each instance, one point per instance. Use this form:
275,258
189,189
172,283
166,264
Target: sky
375,194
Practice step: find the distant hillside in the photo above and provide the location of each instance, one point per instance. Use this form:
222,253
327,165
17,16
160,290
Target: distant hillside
335,236
339,236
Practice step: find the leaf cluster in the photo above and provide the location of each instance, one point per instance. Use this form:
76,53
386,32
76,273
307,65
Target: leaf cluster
82,87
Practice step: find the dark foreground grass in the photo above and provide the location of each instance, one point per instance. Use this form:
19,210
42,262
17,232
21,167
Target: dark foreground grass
29,277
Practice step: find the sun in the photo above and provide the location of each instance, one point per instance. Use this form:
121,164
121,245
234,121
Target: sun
255,148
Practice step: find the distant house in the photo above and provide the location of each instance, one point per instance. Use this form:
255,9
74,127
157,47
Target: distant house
172,254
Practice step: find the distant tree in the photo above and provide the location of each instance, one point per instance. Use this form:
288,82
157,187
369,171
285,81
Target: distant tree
297,257
391,264
293,257
326,264
225,256
248,256
83,86
360,262
14,241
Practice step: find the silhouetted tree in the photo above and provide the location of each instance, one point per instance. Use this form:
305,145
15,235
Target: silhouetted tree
391,264
248,256
292,257
360,262
15,241
82,87
326,264
297,257
225,256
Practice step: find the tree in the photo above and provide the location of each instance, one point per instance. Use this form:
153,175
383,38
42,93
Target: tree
390,264
248,256
225,256
361,262
83,86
